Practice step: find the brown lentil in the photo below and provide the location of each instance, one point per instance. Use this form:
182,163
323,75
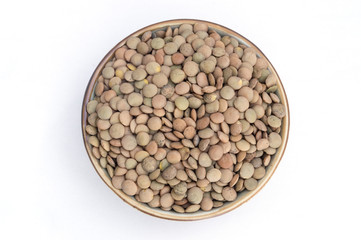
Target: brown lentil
185,119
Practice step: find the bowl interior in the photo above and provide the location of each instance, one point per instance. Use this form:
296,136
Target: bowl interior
228,206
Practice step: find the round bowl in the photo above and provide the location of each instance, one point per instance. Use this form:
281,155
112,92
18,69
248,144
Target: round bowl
242,197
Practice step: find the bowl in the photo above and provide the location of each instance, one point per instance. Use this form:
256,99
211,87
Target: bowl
242,197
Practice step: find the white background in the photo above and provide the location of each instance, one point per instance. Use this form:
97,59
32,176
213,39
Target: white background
49,189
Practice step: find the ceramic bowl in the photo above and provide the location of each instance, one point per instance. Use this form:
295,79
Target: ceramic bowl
242,197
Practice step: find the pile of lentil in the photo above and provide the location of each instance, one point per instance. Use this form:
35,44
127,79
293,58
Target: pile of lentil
184,119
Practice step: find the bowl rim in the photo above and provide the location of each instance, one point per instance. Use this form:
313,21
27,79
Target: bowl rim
181,216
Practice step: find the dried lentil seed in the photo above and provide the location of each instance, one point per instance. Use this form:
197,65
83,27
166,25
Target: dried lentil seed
219,108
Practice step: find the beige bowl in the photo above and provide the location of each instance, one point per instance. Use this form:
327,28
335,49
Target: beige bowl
244,196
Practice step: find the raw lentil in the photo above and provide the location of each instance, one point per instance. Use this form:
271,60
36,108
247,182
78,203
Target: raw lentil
185,119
